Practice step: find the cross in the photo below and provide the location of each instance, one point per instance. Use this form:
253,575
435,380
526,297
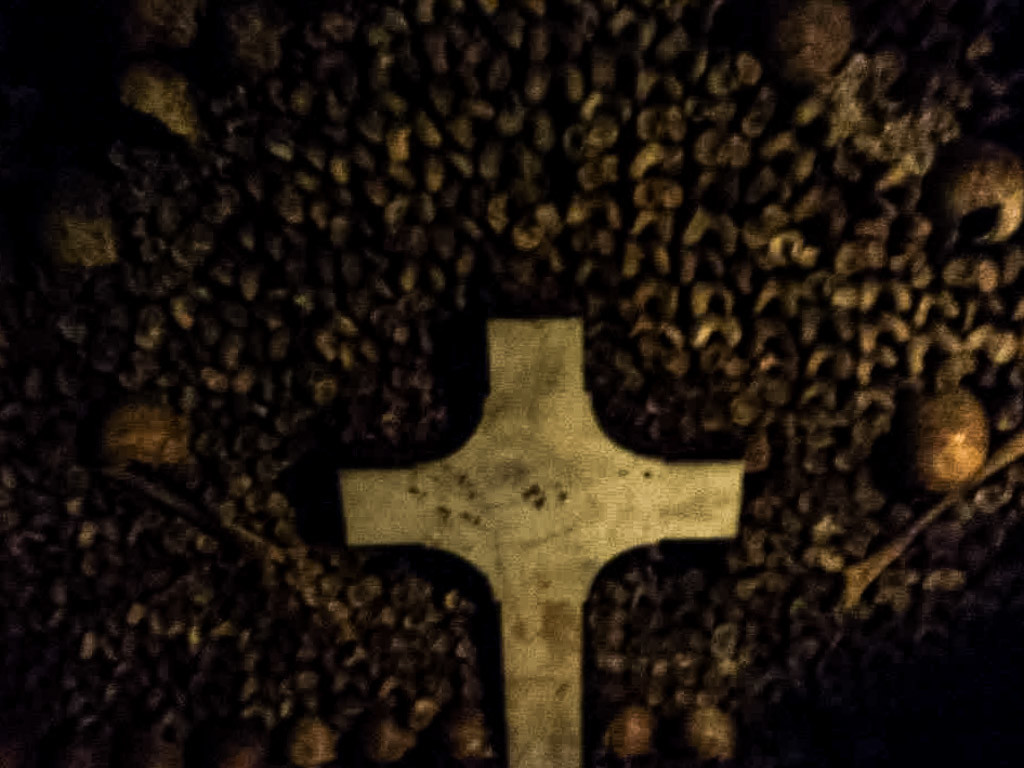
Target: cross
538,500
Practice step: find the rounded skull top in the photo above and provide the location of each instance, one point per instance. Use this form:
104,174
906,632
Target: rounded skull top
810,38
468,736
711,733
313,743
631,732
385,741
950,437
980,179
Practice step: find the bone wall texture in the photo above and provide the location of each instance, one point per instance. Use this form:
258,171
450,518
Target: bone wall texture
277,229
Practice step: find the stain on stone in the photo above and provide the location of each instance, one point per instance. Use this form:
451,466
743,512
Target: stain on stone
534,543
520,630
623,472
687,513
562,496
413,490
472,519
445,513
514,471
539,497
647,474
559,624
533,490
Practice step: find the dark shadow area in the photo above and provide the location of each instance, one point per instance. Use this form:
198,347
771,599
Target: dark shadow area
978,224
889,462
950,709
740,24
964,709
312,488
70,52
89,436
944,698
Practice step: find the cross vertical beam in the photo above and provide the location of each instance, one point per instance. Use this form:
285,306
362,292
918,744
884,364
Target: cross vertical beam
538,500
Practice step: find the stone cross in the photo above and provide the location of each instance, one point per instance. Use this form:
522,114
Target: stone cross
538,500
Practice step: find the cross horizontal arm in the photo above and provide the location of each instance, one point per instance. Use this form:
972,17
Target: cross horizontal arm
538,500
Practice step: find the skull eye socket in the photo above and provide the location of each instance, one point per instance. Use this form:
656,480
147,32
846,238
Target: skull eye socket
980,223
977,191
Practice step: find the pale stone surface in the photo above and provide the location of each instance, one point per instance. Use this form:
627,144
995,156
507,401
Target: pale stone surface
539,499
